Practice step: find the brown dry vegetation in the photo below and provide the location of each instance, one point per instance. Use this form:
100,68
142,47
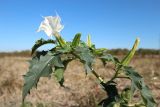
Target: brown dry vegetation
80,91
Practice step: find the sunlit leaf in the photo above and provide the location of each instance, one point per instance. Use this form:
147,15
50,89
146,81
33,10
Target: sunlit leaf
86,57
39,67
41,42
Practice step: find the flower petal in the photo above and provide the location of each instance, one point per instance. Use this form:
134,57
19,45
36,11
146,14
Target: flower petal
51,25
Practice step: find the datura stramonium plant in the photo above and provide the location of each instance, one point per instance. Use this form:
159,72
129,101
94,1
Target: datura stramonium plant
53,63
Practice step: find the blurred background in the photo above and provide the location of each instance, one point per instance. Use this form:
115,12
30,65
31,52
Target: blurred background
112,24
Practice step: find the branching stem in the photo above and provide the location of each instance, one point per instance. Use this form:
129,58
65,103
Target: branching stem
97,76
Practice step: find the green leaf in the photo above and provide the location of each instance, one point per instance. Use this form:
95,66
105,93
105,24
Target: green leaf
87,67
39,67
131,53
76,40
57,61
82,44
86,57
108,58
59,71
84,54
138,84
66,48
135,77
59,74
41,42
147,97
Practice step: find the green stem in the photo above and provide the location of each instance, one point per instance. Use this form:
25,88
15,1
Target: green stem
97,76
60,40
116,74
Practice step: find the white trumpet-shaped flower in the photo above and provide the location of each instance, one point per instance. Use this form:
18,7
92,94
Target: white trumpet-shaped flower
51,25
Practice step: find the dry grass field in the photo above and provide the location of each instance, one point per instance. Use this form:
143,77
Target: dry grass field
80,91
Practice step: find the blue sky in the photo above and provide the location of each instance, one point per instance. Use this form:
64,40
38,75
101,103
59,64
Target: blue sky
111,23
